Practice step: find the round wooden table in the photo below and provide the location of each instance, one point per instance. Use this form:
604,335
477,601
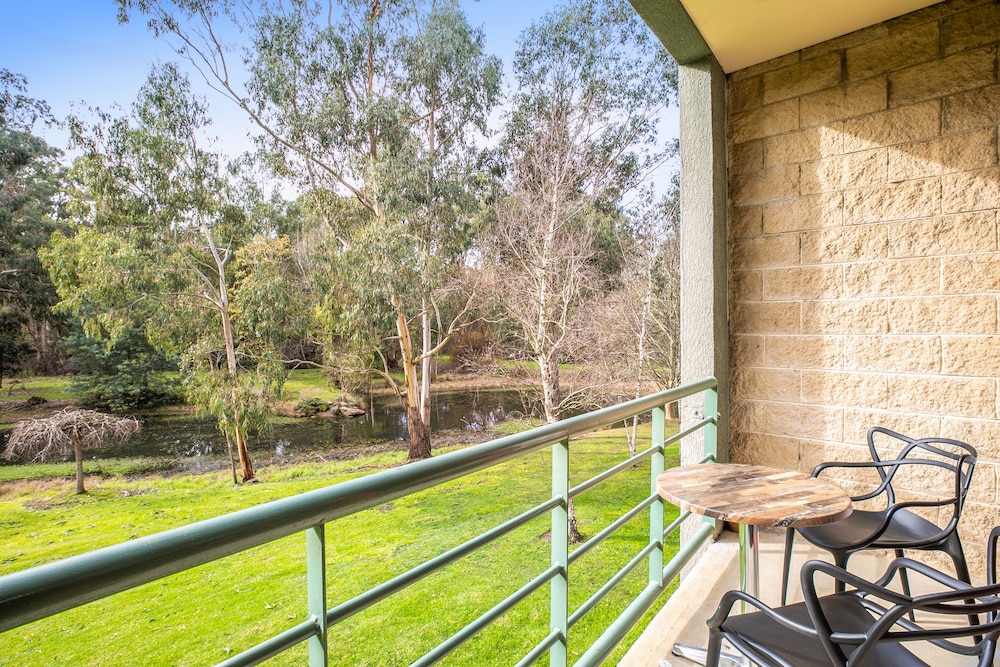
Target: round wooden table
752,496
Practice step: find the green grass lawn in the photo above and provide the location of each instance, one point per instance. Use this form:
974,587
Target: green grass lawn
207,614
50,388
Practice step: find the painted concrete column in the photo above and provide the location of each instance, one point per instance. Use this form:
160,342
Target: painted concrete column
704,310
704,274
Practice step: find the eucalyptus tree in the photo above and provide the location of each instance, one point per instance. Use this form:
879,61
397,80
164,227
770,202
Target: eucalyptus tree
592,86
379,101
167,235
30,184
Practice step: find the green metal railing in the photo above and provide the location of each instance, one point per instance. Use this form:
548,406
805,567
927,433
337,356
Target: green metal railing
41,591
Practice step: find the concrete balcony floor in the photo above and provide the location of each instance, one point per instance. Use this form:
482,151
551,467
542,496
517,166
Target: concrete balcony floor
683,618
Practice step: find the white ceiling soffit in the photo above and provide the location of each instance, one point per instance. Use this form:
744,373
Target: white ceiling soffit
746,32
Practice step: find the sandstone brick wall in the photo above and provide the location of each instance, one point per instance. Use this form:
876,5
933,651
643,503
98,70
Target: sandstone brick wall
864,256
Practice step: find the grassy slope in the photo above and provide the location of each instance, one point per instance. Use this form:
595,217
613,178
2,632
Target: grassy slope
205,615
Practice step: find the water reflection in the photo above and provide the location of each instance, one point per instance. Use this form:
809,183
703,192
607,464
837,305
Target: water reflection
385,420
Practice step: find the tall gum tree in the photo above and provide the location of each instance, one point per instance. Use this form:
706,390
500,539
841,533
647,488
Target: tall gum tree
161,225
30,210
592,86
377,100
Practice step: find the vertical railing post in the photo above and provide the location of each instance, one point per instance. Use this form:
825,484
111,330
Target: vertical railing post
711,411
559,590
316,592
656,464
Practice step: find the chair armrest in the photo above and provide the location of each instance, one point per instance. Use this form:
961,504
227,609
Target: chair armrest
883,488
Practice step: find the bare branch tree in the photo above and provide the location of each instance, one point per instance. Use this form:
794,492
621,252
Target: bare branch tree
69,431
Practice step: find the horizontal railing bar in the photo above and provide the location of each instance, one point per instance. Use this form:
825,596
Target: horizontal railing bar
539,650
611,528
273,646
685,553
32,594
606,643
612,471
599,594
460,637
676,523
688,431
384,590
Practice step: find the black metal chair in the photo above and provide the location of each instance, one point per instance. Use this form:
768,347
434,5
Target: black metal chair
868,624
896,526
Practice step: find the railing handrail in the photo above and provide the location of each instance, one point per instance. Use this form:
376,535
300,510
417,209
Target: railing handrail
47,589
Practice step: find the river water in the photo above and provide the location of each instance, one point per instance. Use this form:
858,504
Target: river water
385,421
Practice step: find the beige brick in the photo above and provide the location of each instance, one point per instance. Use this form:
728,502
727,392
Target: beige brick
767,66
760,187
803,352
746,221
765,252
747,416
983,489
968,315
971,191
970,274
913,277
814,453
804,213
894,126
965,30
945,235
801,146
964,397
896,201
899,50
766,450
766,121
915,425
845,244
813,282
977,356
746,350
746,286
983,434
855,170
954,153
832,388
767,384
897,354
963,71
771,317
746,93
845,316
851,39
849,100
747,157
972,110
803,77
804,421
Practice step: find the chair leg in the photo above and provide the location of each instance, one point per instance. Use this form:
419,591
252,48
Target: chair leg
787,565
713,651
904,579
840,560
953,547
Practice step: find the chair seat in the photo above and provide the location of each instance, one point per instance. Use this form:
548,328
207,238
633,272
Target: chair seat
845,612
907,530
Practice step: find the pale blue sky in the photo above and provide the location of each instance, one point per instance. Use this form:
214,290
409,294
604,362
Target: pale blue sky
75,51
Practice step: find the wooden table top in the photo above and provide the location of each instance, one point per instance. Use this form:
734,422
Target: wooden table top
754,495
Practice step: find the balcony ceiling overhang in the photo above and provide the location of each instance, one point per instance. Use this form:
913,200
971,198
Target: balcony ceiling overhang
740,33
